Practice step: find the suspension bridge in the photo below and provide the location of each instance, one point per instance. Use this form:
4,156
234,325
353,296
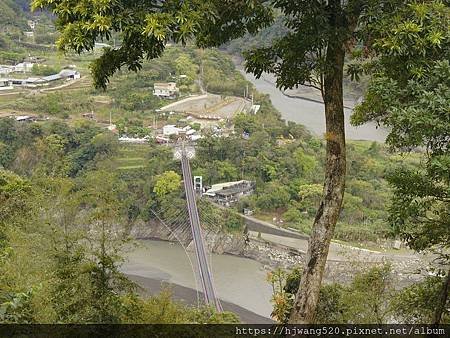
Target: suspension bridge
175,220
200,251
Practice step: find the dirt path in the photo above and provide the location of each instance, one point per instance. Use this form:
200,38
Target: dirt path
65,85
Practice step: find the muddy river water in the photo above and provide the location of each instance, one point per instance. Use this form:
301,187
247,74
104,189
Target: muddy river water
237,280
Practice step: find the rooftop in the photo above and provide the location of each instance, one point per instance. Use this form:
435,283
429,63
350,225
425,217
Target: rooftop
165,85
53,77
229,188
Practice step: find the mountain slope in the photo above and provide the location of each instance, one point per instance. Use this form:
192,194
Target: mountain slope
12,14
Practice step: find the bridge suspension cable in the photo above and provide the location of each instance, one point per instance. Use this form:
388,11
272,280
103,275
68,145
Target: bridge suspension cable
184,248
200,251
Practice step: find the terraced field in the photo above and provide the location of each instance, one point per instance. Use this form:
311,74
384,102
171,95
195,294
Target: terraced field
131,157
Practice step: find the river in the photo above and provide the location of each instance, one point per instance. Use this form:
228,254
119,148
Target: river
311,114
237,280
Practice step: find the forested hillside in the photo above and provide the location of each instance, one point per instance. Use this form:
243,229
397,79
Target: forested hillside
344,231
12,14
262,39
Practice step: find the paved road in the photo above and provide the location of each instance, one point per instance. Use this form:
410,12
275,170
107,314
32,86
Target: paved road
337,251
203,267
257,225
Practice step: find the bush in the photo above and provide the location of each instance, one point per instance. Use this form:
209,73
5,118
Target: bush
293,215
364,301
416,304
43,70
232,222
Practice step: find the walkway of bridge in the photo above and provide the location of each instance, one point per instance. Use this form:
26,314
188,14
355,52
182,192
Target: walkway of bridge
200,251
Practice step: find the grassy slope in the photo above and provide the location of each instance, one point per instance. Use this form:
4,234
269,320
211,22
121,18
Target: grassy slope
131,156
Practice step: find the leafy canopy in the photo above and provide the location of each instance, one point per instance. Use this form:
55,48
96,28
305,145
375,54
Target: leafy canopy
409,92
146,27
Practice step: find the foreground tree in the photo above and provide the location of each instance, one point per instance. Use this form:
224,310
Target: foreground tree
311,53
410,92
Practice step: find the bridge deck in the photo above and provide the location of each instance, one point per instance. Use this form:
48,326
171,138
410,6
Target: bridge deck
203,267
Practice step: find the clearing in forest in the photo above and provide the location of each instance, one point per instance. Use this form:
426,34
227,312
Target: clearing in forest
210,106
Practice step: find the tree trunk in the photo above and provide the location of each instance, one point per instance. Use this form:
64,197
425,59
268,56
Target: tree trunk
442,299
327,215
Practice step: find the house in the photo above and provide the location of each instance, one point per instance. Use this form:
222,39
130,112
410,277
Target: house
34,81
28,82
5,70
23,67
195,137
5,83
70,74
25,118
126,139
171,129
166,90
67,74
28,34
230,192
64,74
51,78
162,140
17,81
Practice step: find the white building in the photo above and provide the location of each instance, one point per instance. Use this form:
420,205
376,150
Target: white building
230,192
5,83
162,140
65,74
166,90
171,129
23,67
5,70
70,74
126,139
195,137
24,118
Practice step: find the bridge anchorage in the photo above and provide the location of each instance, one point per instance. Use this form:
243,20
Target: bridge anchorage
184,153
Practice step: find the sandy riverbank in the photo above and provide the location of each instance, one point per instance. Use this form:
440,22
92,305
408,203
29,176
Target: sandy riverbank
150,286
